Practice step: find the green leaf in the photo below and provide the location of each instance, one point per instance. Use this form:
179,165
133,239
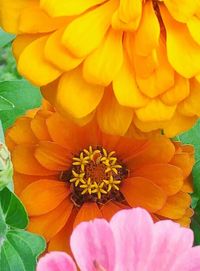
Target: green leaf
5,104
5,38
19,249
21,96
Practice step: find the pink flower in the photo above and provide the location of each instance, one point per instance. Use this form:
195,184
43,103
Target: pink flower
130,242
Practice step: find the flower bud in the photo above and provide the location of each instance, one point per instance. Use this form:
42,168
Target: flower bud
6,168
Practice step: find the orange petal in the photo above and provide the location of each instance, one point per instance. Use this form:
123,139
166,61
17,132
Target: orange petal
102,65
61,57
159,150
21,181
85,33
52,156
175,206
9,142
72,89
21,132
110,208
61,241
185,161
140,192
112,117
24,161
38,125
48,225
167,177
188,185
88,211
44,196
34,66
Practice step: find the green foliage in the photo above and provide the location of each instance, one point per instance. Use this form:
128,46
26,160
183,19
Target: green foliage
18,249
193,137
15,98
5,38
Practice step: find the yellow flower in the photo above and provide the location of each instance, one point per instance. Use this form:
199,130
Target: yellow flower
133,62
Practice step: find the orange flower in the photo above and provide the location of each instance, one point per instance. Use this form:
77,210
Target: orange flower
65,174
134,59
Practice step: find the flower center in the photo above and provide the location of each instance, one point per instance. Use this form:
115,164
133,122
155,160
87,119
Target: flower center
96,175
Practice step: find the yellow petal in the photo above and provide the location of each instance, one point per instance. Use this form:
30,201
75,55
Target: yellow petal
102,65
86,32
183,52
125,87
190,106
178,124
127,16
155,110
194,25
67,7
58,55
21,42
112,117
150,29
161,79
76,96
10,12
148,126
34,66
178,92
34,20
182,10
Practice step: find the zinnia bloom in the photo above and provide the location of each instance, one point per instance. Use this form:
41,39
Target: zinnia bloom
66,174
130,242
133,59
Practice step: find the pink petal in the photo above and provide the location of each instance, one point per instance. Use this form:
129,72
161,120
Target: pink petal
188,261
92,244
56,261
170,240
133,233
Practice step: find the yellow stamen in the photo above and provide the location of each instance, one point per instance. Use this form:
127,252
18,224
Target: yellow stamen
98,189
112,183
81,161
78,178
88,186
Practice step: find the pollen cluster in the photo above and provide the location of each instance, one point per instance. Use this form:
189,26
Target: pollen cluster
96,175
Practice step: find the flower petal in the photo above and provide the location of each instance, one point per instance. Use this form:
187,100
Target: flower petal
56,261
112,117
43,196
183,52
72,89
175,206
34,66
88,211
168,177
52,156
21,132
170,241
39,127
102,65
93,245
141,192
149,112
188,261
110,208
24,161
133,233
48,225
150,29
85,33
61,57
67,7
125,87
